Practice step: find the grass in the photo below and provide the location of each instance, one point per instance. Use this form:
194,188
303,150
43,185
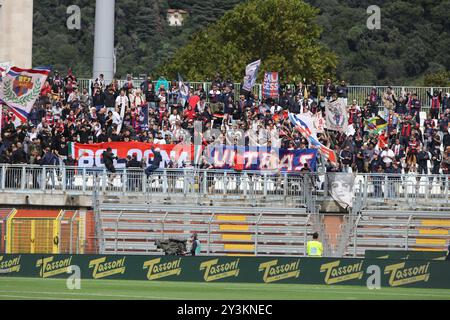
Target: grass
12,288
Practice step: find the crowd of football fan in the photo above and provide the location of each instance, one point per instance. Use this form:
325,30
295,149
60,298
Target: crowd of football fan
155,113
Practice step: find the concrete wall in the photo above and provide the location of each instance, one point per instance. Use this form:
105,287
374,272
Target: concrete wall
16,32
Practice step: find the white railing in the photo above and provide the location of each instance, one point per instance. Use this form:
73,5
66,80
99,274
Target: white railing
303,188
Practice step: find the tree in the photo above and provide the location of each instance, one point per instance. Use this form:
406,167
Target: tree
282,33
438,79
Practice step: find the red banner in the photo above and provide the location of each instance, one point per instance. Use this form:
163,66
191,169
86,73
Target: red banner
90,155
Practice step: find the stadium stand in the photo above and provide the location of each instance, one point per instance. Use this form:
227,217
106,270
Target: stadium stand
398,230
221,230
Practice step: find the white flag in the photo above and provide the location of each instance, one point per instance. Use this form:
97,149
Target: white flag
20,88
336,115
251,73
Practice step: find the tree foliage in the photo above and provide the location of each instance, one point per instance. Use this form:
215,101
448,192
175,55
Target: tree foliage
282,33
414,39
438,79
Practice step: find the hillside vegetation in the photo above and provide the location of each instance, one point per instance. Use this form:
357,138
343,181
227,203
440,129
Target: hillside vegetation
414,40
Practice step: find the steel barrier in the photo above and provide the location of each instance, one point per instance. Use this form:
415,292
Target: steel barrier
47,231
83,181
249,185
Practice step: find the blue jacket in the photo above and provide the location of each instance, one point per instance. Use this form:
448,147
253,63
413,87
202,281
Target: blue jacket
49,159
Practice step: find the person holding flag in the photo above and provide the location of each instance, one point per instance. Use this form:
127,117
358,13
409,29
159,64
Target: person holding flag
251,73
183,93
304,124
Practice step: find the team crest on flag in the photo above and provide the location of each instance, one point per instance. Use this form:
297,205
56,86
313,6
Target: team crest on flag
336,115
22,84
20,88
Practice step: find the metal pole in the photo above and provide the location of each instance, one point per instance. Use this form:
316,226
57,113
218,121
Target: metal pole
63,178
407,232
71,233
44,178
77,213
355,235
117,231
225,183
163,223
125,180
84,181
257,233
209,232
3,176
305,234
265,185
59,220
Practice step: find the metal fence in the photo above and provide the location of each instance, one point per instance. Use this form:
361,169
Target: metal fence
178,182
355,92
374,189
229,184
48,231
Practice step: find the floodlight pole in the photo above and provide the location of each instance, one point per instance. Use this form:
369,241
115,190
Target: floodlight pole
104,39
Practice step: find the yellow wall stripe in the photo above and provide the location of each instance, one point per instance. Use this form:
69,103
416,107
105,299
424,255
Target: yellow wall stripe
431,241
433,231
243,237
231,218
248,247
233,227
426,249
443,223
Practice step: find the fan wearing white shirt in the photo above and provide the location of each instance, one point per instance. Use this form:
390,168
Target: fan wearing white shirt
173,118
116,118
387,155
121,100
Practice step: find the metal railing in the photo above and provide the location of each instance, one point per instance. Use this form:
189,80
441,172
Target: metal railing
373,189
47,232
355,92
168,183
398,230
251,186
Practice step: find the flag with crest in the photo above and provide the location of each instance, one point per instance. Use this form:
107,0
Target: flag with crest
20,88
